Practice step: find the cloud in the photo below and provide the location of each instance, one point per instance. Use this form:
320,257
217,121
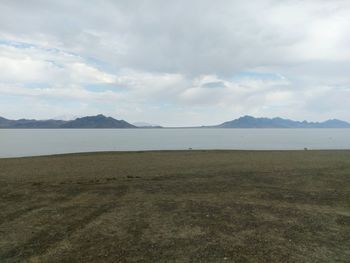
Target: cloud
203,60
36,64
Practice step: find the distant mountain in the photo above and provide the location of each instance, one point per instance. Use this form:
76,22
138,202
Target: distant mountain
23,123
101,121
146,125
251,122
98,121
5,123
67,117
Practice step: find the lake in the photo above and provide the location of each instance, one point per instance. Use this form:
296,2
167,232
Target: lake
32,142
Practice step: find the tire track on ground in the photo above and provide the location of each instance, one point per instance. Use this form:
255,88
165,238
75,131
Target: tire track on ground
47,238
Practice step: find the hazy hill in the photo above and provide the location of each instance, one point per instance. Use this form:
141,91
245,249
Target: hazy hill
24,123
251,122
146,125
5,123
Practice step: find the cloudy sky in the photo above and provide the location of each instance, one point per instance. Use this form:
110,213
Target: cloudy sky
185,62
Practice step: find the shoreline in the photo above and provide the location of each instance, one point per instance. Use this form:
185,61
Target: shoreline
167,151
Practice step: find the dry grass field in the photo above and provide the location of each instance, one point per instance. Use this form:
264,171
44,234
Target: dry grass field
176,206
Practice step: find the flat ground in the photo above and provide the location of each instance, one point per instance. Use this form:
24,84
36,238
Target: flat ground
182,206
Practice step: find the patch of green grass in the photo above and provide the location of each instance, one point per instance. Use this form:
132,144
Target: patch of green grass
176,206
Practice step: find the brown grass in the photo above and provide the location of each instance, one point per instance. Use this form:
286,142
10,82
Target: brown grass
181,206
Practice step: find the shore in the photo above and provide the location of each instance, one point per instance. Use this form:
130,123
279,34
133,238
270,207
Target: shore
183,206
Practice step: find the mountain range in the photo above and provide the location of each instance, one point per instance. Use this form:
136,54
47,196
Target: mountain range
251,122
101,121
98,121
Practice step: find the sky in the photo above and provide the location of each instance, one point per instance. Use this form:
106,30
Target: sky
175,63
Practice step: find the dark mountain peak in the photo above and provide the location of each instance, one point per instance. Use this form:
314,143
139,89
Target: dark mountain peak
246,117
100,117
97,117
97,121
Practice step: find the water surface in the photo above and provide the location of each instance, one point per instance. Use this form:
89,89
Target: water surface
31,142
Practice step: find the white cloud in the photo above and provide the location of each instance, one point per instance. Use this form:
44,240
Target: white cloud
35,64
158,60
58,92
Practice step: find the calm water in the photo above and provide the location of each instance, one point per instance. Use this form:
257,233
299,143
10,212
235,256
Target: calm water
41,141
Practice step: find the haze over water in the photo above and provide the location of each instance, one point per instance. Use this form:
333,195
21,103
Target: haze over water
33,142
